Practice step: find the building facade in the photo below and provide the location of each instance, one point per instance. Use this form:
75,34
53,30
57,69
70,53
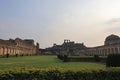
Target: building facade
18,46
68,47
111,45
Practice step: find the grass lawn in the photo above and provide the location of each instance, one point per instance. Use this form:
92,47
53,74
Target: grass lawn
45,61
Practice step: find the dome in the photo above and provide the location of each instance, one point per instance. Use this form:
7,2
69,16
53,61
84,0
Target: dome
112,39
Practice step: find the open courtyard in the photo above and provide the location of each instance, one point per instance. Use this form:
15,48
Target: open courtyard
44,62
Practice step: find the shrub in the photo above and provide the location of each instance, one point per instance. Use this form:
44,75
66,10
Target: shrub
60,74
97,58
60,56
7,55
16,55
81,59
22,54
113,60
65,58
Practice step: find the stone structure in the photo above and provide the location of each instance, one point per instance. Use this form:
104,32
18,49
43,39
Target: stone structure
18,46
68,47
111,45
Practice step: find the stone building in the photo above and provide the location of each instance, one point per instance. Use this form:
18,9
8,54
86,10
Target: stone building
27,46
18,46
111,45
68,47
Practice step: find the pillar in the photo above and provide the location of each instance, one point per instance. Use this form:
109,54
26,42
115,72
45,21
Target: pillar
112,50
116,50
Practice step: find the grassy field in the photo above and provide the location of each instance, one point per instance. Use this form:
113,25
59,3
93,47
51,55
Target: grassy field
43,62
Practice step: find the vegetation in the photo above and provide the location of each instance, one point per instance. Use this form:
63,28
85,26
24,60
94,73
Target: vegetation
56,73
60,57
52,68
44,62
94,58
7,55
113,60
97,58
65,58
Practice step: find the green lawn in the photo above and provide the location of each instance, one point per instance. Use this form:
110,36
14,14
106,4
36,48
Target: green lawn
43,62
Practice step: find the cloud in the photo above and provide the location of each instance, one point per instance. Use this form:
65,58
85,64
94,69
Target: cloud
113,21
70,27
114,29
112,26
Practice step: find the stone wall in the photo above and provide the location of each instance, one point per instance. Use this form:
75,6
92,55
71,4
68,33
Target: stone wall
103,50
18,46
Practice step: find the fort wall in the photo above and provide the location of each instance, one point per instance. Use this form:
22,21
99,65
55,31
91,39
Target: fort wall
18,46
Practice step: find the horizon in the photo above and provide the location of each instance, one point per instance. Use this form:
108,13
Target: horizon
59,43
51,21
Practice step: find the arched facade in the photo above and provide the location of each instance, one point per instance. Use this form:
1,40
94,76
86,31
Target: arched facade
18,46
111,45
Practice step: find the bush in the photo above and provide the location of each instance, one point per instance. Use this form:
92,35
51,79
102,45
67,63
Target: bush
81,59
65,58
97,58
7,55
113,60
16,55
60,74
22,54
60,57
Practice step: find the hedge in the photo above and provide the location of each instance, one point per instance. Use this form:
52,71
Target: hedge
15,55
64,58
87,59
60,74
81,59
113,60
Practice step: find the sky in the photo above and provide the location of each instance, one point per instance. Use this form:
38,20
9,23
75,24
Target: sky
52,21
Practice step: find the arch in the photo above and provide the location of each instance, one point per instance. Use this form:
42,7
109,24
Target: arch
112,50
5,50
108,50
14,51
116,50
8,50
102,52
105,52
1,51
11,51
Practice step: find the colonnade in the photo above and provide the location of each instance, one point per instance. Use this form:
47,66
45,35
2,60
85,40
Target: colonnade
103,50
18,46
13,50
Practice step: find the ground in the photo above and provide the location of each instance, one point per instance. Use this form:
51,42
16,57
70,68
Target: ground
45,61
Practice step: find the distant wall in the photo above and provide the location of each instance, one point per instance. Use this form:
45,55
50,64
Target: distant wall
18,46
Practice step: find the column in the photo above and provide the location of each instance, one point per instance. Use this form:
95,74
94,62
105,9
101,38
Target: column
0,50
116,50
119,49
108,50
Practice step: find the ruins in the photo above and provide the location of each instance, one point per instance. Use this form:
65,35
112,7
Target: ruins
111,45
18,46
68,47
27,46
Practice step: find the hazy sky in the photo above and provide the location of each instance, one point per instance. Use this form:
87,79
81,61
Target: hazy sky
52,21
